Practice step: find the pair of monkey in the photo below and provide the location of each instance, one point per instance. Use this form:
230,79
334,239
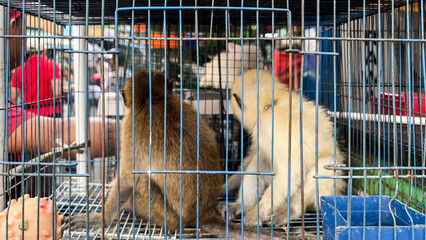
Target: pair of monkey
181,153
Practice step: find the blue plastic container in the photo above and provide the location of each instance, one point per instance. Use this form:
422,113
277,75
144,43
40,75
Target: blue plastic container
408,223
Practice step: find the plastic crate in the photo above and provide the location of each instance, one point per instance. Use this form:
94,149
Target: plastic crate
401,104
406,219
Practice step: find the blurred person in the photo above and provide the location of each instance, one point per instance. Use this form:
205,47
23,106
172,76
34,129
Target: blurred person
15,43
109,75
28,132
41,80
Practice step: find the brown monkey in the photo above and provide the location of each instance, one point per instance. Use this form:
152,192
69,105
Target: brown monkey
207,160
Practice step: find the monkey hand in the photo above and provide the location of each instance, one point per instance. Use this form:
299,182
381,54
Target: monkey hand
233,210
79,221
279,218
251,218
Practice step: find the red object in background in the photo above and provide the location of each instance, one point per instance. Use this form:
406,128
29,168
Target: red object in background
14,15
401,104
282,68
97,78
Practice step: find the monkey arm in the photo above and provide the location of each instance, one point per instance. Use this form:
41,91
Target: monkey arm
234,181
125,194
233,184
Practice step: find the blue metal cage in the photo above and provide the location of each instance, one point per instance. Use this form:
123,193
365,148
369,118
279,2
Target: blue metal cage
360,62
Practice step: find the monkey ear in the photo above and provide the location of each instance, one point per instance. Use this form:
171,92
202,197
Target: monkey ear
170,84
124,96
237,99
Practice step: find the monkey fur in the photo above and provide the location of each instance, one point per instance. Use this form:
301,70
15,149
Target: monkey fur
248,101
230,65
208,160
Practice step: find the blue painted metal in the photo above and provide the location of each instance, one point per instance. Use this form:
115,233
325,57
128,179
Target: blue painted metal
323,85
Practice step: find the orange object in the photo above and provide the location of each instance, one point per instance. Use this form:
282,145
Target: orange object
29,224
158,43
140,27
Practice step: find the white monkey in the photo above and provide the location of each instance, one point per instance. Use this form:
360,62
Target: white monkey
209,74
280,148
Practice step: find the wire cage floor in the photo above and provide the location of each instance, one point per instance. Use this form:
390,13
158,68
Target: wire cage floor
74,202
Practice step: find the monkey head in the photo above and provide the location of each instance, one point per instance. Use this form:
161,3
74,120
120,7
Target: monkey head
142,86
245,92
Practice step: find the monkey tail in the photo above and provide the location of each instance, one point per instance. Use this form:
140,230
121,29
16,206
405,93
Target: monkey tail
217,226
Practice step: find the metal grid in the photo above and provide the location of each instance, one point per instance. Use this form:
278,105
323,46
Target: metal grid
370,131
74,202
375,156
78,11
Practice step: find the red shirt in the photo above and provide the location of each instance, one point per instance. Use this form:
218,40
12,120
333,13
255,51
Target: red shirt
48,71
